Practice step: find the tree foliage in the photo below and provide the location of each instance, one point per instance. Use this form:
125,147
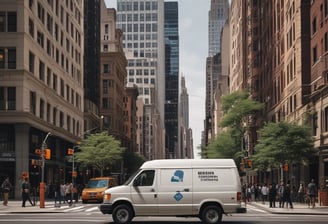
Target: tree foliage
283,142
236,107
225,146
99,150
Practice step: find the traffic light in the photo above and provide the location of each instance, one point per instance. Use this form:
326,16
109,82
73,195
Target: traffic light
249,163
286,167
48,153
38,151
70,151
33,162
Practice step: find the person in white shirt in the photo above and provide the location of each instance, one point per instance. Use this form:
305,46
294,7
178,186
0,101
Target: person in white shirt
264,191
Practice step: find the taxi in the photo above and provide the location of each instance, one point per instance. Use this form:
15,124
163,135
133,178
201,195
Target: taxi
94,191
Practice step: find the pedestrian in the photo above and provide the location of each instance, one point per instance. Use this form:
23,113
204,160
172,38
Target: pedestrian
272,195
6,187
287,196
264,191
301,193
62,192
281,190
26,188
68,193
312,192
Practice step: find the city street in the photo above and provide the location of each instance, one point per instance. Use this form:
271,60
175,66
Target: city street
89,213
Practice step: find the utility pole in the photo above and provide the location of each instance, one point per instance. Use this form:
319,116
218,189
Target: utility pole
42,185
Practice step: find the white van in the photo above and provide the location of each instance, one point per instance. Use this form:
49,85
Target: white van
204,188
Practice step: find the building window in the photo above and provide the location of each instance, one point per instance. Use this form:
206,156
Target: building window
31,27
2,58
31,62
2,21
32,102
42,109
12,21
62,88
54,82
11,58
106,68
48,112
7,98
314,124
61,119
105,86
54,116
104,103
41,71
314,25
314,53
40,39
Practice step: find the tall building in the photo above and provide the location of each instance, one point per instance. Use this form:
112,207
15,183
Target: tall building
91,84
142,23
92,50
319,84
112,77
41,86
185,136
217,17
171,34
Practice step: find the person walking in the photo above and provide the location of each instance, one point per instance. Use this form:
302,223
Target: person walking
26,187
264,191
312,192
272,195
6,187
287,196
301,193
281,190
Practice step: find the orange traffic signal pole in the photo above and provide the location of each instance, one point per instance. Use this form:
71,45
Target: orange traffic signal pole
42,185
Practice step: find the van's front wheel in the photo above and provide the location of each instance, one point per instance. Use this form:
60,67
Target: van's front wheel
211,214
122,214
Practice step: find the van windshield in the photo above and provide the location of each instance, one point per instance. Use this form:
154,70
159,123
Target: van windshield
128,181
97,183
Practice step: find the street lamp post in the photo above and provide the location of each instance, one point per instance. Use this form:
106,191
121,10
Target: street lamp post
42,185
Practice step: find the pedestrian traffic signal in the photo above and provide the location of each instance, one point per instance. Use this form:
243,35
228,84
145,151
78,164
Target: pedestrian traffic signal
38,151
70,151
249,163
33,162
48,153
286,167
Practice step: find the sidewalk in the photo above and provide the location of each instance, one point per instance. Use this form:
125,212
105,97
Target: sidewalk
15,206
299,208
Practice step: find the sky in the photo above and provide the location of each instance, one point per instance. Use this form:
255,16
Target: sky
193,37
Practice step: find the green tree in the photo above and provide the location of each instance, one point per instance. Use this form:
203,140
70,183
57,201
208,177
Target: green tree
236,108
281,143
224,146
99,150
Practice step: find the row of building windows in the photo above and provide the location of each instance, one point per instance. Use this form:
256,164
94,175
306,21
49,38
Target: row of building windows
51,79
137,6
140,81
148,17
144,72
52,115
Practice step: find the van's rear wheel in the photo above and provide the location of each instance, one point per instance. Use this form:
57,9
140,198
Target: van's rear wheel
211,214
122,214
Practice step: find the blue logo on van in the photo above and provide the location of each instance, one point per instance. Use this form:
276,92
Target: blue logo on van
178,196
178,176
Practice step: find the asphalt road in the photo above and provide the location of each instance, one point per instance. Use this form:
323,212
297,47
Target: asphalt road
91,215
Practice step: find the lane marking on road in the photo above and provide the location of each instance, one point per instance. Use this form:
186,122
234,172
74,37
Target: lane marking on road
75,208
92,209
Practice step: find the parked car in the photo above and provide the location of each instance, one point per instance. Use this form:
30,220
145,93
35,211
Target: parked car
94,191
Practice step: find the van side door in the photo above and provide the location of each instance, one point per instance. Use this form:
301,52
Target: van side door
144,193
175,191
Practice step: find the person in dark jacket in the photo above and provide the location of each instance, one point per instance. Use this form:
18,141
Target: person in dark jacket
272,195
287,196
